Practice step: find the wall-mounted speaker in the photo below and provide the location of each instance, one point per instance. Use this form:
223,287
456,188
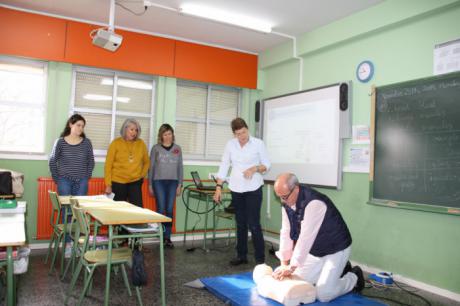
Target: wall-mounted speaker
343,97
257,112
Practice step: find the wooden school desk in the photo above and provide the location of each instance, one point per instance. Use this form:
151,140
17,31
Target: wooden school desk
113,213
12,233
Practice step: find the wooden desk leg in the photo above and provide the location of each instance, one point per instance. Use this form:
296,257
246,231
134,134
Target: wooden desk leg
162,268
109,267
10,276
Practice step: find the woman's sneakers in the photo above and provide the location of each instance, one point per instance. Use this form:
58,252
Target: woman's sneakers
360,282
168,243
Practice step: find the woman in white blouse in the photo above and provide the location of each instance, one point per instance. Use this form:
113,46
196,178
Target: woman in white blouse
248,159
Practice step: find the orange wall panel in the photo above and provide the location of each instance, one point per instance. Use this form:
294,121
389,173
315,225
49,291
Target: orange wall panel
215,65
32,35
55,39
137,53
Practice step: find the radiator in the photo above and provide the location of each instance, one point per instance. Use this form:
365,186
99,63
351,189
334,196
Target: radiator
95,186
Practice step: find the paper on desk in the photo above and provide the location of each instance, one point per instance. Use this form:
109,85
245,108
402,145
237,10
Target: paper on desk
96,197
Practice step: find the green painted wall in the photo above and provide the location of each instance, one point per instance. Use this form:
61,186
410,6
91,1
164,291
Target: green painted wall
399,37
58,104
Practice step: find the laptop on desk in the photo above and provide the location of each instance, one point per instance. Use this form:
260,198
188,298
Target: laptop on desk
198,183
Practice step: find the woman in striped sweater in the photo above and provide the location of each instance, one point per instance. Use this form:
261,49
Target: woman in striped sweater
72,161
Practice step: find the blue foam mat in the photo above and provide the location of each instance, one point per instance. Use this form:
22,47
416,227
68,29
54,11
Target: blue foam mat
240,290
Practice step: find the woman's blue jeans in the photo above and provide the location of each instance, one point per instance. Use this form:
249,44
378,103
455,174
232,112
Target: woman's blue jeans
165,194
75,187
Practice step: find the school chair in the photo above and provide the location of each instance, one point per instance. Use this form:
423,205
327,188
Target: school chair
91,259
58,230
78,242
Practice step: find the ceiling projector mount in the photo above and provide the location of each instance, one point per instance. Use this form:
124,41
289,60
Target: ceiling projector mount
106,37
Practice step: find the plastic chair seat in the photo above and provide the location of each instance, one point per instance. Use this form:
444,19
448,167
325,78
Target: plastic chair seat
100,256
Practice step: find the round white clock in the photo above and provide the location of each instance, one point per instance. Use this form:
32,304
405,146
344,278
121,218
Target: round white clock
365,71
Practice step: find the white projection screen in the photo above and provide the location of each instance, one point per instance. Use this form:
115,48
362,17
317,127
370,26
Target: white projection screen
303,134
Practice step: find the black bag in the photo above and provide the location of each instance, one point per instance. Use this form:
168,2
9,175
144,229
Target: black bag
138,274
6,183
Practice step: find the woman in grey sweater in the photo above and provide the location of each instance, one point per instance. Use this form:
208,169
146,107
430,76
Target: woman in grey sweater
165,175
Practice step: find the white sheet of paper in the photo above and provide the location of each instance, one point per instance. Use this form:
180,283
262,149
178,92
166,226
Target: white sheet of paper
361,134
446,57
359,160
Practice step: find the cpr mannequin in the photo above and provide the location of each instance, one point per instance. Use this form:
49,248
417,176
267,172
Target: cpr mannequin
290,291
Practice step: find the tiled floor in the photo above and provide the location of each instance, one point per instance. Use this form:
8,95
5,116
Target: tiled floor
36,287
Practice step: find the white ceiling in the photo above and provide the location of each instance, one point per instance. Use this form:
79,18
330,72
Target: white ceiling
291,17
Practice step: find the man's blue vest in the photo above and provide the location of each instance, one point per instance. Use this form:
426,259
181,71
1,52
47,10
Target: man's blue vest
333,235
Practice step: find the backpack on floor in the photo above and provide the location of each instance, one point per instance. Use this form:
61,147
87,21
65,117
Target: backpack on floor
138,274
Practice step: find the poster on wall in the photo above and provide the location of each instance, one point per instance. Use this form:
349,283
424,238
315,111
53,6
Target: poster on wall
446,57
360,134
359,160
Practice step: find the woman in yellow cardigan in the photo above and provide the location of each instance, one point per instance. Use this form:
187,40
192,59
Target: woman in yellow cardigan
126,164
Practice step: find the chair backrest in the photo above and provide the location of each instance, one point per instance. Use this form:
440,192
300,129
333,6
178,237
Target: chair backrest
73,204
83,222
56,214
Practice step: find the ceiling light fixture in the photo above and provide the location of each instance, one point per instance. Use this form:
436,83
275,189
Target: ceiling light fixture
225,17
96,97
128,83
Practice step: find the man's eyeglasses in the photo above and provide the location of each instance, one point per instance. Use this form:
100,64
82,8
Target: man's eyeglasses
286,196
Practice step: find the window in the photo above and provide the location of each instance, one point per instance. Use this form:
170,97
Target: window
107,98
203,117
22,105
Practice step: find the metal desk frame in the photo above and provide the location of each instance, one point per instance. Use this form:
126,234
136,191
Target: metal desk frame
207,197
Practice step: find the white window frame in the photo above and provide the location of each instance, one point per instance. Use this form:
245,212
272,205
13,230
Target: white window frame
115,74
23,154
208,159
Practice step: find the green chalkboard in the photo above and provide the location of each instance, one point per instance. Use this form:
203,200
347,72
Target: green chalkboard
417,144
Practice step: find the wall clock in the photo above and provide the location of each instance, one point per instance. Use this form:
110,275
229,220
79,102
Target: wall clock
365,71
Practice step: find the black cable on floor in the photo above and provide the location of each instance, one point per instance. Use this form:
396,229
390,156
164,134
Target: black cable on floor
186,189
379,286
385,299
413,294
193,248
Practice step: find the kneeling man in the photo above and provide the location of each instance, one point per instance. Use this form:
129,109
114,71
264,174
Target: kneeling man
315,242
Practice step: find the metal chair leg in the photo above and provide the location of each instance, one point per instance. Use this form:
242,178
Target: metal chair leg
86,285
55,252
138,294
125,279
73,281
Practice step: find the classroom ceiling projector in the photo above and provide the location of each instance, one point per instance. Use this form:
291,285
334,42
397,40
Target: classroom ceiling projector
107,39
